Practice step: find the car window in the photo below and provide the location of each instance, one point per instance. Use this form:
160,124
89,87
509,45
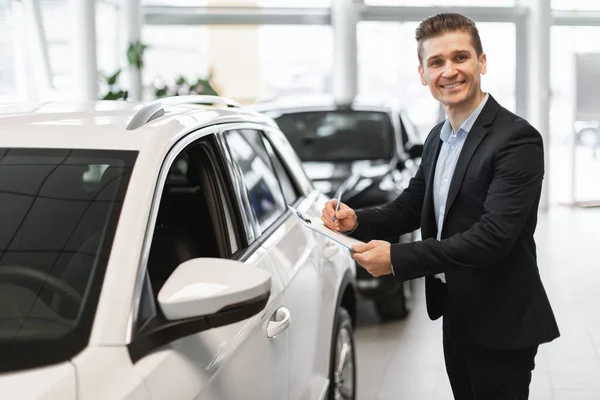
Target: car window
290,191
59,215
184,227
343,135
193,220
266,199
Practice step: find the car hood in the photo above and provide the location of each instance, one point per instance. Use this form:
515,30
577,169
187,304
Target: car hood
47,383
328,176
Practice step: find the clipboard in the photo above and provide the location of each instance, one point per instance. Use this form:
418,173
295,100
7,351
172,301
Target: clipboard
315,224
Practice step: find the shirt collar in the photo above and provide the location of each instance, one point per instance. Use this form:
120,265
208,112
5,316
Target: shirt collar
466,126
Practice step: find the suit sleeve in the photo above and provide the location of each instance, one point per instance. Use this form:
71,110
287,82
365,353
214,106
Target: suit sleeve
403,214
512,194
400,216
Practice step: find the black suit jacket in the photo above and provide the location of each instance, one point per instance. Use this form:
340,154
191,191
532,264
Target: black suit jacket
493,294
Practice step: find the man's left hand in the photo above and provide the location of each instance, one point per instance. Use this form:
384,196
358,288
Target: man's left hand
374,256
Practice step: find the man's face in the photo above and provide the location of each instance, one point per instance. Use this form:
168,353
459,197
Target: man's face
451,68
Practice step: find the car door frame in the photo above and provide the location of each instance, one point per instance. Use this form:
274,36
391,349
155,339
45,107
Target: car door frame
175,150
248,248
243,201
317,382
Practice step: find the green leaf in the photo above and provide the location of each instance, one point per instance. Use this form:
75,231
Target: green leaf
114,95
112,79
135,54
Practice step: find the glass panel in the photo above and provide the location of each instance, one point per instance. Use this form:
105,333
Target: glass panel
575,140
262,185
55,16
8,84
60,210
300,64
336,136
174,52
398,76
244,62
290,192
444,3
576,5
108,49
56,19
239,3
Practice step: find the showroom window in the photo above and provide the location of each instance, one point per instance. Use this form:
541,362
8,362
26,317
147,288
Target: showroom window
300,64
239,3
576,5
575,145
246,62
8,84
56,17
174,52
442,3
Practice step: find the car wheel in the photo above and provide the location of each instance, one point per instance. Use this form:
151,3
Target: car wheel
395,305
342,367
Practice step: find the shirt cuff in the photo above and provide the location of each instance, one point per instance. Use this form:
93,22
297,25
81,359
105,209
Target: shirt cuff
353,229
392,267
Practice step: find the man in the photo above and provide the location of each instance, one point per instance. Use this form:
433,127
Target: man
475,198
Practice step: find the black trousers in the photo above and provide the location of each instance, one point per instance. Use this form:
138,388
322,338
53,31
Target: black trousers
478,373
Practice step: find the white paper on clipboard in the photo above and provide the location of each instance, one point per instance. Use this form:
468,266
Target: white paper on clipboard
315,224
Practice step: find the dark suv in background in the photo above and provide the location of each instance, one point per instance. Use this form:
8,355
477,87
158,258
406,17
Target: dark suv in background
369,145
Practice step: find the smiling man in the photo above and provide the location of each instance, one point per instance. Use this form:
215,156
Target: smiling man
475,198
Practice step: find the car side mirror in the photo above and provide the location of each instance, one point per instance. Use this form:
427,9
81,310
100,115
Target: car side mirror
415,151
201,294
204,287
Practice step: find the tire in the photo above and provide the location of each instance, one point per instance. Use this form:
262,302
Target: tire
395,306
342,383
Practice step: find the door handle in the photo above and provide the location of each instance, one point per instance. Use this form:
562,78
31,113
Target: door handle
279,322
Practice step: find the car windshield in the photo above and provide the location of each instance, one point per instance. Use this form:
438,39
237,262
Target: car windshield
59,215
343,135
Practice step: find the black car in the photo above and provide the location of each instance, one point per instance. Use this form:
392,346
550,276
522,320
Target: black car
369,146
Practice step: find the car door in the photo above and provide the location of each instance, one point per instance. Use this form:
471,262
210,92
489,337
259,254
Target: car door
295,251
332,262
244,360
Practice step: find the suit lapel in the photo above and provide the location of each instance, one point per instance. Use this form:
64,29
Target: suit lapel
472,141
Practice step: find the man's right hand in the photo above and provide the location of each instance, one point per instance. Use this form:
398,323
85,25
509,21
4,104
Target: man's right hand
345,220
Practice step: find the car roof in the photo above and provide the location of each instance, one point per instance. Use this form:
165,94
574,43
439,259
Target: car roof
103,124
324,102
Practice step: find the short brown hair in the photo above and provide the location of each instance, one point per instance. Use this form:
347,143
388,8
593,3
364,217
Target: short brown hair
446,23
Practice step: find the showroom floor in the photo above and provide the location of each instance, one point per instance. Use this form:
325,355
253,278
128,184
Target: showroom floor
403,360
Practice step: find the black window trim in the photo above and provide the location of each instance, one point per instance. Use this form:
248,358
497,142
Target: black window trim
218,177
175,150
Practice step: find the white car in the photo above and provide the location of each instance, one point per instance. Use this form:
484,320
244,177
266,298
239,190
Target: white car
147,252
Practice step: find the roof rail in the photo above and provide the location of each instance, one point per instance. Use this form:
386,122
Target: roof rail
157,107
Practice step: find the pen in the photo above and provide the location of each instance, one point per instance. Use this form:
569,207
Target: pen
338,196
337,206
349,182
